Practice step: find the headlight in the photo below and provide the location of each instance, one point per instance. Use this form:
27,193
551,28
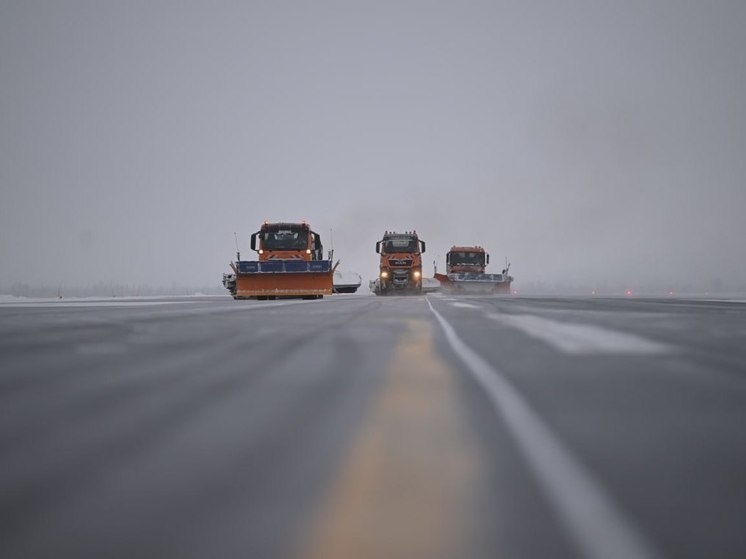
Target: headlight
384,274
416,274
308,251
261,251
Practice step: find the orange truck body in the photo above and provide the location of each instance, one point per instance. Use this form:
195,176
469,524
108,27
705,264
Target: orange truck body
290,264
465,267
400,265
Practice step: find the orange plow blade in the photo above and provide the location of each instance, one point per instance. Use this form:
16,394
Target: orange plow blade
471,282
283,279
283,285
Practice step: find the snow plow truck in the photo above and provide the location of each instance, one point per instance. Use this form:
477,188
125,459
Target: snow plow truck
465,272
400,266
290,264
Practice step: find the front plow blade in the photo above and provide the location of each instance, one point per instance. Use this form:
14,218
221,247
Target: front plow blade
283,278
472,282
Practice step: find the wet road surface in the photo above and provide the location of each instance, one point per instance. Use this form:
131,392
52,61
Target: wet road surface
358,426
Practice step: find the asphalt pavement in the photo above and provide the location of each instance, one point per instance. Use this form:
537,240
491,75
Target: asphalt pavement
366,427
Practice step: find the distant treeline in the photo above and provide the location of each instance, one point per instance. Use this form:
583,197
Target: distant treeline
102,289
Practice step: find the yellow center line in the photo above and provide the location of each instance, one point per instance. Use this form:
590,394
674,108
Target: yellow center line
409,486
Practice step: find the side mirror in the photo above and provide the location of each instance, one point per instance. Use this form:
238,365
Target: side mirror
488,259
448,258
422,246
378,247
253,241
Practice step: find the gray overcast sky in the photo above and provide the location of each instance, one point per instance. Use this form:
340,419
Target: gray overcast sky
588,141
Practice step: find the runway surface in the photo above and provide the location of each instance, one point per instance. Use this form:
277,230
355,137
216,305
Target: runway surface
367,427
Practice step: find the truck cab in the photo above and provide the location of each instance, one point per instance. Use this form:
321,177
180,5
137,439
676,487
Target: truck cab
467,259
287,241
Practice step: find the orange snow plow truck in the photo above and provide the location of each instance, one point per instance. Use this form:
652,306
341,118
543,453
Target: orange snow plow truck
400,268
465,267
290,264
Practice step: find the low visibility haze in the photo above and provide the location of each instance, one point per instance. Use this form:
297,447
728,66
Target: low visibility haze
592,144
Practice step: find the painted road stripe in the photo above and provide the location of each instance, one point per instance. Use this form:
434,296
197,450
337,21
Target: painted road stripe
580,339
590,516
464,305
409,487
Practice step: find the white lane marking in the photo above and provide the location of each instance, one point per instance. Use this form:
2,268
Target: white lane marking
580,339
593,521
464,305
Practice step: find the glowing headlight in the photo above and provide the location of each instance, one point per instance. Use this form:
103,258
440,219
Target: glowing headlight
261,251
308,251
416,274
384,274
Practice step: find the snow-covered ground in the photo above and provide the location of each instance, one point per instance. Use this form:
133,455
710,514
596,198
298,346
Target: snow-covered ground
13,301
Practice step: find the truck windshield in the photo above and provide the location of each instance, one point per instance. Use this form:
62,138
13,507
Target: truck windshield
284,240
467,259
401,244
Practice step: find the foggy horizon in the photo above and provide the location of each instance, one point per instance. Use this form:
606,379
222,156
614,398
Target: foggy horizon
590,146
